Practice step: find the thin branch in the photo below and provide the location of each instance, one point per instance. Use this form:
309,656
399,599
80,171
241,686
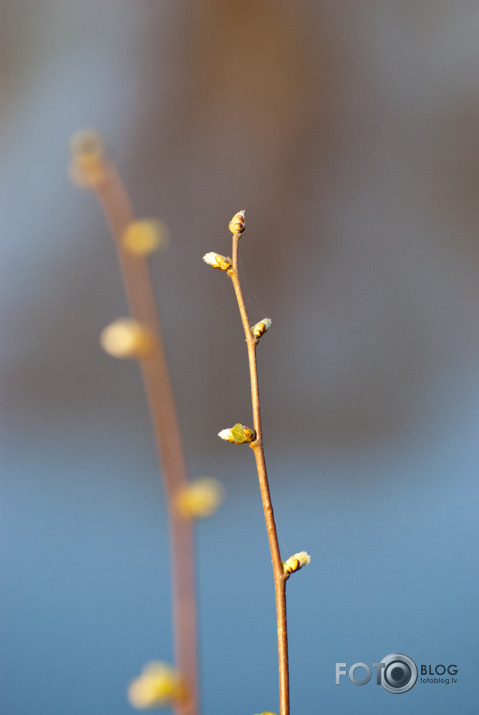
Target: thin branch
280,577
138,286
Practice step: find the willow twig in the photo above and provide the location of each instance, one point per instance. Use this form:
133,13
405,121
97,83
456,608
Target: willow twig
280,577
100,174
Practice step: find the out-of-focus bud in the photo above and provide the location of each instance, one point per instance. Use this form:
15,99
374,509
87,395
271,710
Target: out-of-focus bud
87,166
216,260
296,562
200,498
236,225
145,236
87,141
158,686
239,434
261,327
127,339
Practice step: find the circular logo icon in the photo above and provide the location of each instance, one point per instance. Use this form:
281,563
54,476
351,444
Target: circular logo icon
399,673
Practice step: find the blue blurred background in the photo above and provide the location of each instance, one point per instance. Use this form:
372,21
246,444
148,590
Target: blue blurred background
349,132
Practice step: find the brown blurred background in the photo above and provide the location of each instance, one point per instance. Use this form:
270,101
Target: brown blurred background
346,130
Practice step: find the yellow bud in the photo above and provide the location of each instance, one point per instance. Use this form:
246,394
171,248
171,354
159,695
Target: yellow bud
87,166
127,339
236,225
145,236
158,686
296,562
200,498
239,434
216,260
260,328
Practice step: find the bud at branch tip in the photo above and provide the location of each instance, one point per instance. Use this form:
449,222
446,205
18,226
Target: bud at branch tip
87,166
236,225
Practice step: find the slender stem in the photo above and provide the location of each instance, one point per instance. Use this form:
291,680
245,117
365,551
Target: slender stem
280,577
138,286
